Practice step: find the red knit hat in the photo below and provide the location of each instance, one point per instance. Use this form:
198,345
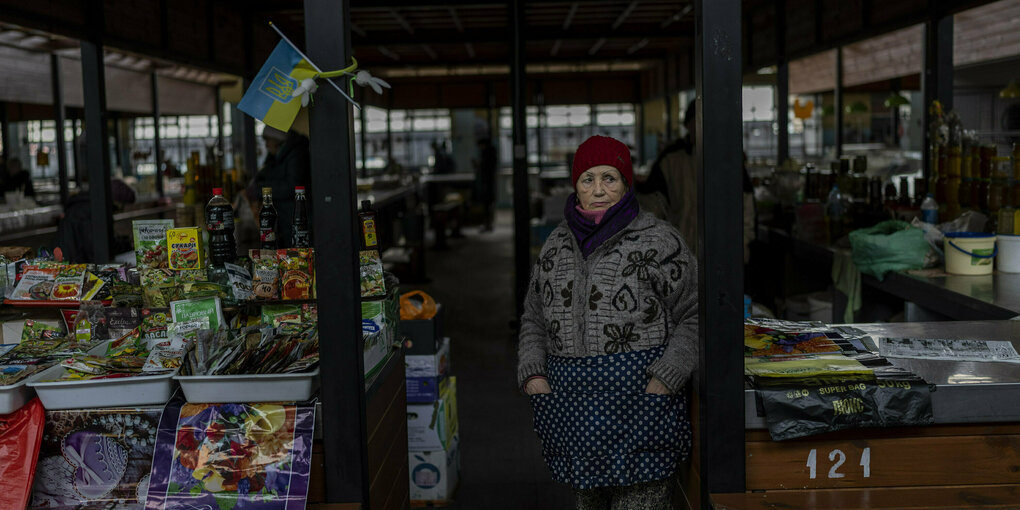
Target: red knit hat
602,150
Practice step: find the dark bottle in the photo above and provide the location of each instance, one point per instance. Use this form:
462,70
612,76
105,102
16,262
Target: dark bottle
300,234
369,239
219,221
267,221
904,192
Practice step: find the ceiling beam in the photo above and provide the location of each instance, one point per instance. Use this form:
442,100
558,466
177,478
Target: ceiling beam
570,16
556,47
532,34
470,49
429,51
456,19
360,32
677,17
597,46
403,22
625,14
387,52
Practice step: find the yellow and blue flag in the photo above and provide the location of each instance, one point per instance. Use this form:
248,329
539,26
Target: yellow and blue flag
270,97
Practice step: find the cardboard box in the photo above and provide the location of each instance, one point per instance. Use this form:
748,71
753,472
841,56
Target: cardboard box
424,336
424,374
434,475
431,426
423,390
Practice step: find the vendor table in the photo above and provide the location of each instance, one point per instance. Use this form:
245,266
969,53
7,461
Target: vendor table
957,297
968,458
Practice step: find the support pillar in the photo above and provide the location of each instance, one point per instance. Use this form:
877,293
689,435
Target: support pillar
720,253
58,117
97,152
937,77
157,138
838,101
335,200
521,203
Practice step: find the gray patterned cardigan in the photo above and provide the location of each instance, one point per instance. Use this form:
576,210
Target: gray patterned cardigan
639,290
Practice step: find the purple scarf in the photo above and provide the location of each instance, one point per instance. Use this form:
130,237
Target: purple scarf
590,235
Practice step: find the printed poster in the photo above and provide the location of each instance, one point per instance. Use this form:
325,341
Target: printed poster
232,457
95,459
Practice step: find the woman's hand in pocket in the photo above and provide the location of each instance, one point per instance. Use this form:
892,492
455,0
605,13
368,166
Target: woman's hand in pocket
655,386
537,385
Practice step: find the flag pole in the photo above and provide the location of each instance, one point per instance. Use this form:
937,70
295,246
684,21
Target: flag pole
329,80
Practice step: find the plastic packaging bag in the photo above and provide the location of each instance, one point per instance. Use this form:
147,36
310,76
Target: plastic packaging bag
889,246
417,305
20,436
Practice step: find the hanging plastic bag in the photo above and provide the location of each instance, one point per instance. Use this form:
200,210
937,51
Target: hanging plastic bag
417,305
889,246
20,436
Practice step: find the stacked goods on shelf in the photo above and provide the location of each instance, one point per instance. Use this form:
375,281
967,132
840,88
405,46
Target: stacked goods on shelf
811,378
380,324
432,425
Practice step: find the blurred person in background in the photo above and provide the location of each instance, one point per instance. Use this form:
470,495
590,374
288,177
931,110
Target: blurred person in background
16,178
485,180
287,165
75,237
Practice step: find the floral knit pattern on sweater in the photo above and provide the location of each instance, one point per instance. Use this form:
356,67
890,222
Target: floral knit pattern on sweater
636,291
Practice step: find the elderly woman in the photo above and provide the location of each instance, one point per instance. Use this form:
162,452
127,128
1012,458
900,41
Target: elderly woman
608,340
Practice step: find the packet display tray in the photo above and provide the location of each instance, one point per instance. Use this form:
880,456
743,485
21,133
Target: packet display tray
140,390
13,396
218,389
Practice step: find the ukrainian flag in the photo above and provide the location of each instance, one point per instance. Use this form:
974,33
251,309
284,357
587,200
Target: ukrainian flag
269,98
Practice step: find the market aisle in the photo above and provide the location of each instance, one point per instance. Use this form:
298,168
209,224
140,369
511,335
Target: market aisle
501,461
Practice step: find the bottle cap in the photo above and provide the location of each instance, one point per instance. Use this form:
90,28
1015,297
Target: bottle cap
299,188
267,191
217,191
366,204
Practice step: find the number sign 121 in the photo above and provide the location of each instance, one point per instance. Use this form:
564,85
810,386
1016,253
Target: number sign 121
837,457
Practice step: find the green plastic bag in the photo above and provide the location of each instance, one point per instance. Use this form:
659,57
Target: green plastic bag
889,246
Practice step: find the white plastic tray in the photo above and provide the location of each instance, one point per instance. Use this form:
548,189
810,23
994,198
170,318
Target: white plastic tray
217,389
140,390
13,396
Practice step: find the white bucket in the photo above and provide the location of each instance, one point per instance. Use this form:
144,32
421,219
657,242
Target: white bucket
969,253
1008,258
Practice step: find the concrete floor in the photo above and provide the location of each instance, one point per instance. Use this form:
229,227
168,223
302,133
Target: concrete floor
501,460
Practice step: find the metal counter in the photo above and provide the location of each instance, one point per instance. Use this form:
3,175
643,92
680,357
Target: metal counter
966,391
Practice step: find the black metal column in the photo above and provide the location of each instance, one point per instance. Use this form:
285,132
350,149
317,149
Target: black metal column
157,139
364,140
251,162
334,198
389,139
937,78
720,253
782,87
76,153
221,144
838,101
667,100
58,118
522,208
97,153
5,137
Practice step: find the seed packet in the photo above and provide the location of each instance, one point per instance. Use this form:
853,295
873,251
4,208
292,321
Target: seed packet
373,282
192,275
274,315
209,308
150,242
10,374
197,290
296,273
68,284
163,359
156,276
266,276
130,344
125,295
240,281
185,245
155,325
35,284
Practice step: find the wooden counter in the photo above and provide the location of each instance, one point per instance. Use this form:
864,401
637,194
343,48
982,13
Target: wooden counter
970,457
387,445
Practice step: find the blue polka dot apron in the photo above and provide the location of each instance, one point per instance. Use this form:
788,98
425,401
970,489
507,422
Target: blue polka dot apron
598,426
